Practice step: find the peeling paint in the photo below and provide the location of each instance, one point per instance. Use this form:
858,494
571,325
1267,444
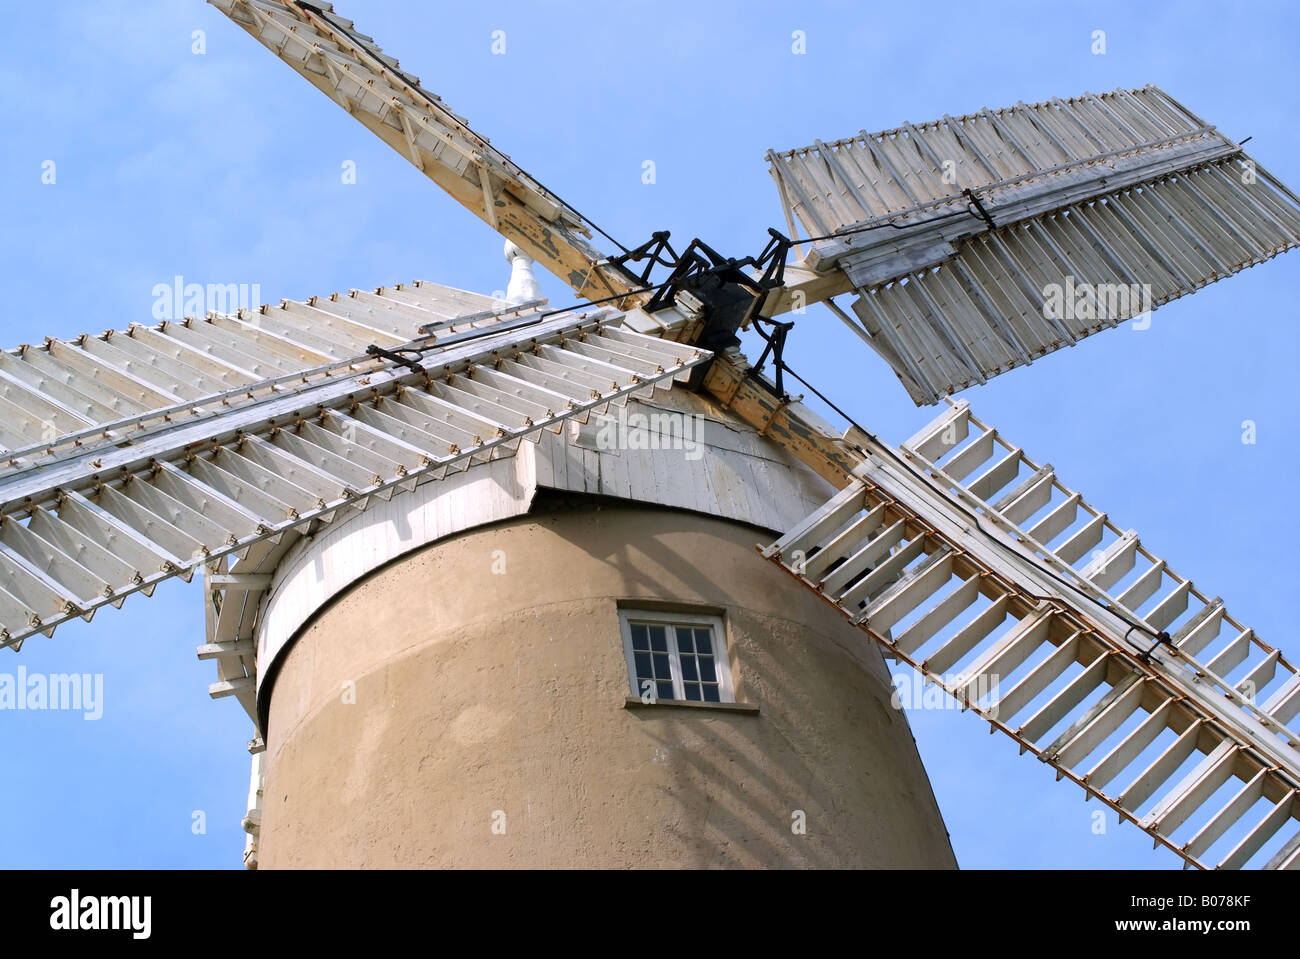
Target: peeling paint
548,242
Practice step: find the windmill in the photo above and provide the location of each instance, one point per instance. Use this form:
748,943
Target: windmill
258,447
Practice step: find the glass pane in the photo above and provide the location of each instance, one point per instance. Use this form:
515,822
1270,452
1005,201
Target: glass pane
639,639
707,672
658,639
662,670
704,640
712,695
643,665
688,669
665,690
693,692
684,640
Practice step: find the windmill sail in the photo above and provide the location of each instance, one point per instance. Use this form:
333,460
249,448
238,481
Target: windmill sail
99,388
980,243
354,72
975,565
240,428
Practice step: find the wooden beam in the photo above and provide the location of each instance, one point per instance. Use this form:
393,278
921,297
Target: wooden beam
236,649
240,582
791,425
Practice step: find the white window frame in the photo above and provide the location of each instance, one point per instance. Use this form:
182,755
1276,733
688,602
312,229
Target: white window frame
722,664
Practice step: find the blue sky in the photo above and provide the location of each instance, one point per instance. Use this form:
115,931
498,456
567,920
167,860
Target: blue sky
225,168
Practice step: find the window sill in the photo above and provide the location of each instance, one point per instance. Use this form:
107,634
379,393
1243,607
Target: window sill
634,702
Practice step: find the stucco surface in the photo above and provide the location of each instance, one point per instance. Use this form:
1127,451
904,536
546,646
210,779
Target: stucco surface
434,715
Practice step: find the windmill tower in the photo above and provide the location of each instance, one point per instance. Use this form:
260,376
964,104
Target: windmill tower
482,573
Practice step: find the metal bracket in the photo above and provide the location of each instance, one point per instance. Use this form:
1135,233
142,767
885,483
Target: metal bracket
653,250
396,357
982,213
775,348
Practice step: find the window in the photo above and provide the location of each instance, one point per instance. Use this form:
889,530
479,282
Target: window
676,656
